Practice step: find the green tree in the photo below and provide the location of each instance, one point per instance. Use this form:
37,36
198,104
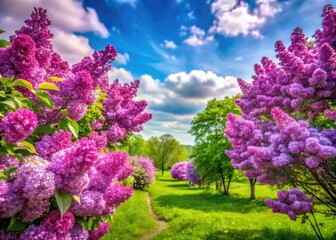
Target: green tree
207,128
135,145
166,150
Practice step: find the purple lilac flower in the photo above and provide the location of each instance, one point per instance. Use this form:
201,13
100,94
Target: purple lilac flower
178,171
18,125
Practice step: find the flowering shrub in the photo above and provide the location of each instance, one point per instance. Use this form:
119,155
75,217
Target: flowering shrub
55,183
286,133
192,174
144,173
179,171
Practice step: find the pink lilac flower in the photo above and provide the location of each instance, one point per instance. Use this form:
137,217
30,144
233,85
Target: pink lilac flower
52,144
60,225
18,125
97,234
178,171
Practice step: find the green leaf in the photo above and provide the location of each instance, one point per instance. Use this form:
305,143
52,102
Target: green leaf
77,198
73,127
70,125
22,83
16,225
17,102
29,147
3,176
45,129
4,43
9,103
63,201
56,79
48,86
44,100
82,222
1,31
8,171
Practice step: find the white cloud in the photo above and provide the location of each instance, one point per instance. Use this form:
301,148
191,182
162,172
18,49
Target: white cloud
121,74
234,17
191,15
130,2
176,100
169,44
122,59
239,58
198,37
70,46
67,17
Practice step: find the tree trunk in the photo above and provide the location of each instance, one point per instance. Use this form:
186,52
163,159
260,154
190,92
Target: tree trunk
162,168
252,187
226,190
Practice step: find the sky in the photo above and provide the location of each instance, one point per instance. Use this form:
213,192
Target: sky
184,52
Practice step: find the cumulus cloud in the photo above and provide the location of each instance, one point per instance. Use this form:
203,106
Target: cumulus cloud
169,44
175,101
67,17
122,59
121,74
197,37
234,17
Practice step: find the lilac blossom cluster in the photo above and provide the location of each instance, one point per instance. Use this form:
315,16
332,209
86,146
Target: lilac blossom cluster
82,169
277,133
179,171
18,125
31,57
192,174
293,202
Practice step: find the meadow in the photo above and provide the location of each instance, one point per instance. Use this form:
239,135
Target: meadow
198,213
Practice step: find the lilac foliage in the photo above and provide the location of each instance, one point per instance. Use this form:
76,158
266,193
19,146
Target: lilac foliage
179,171
280,108
192,174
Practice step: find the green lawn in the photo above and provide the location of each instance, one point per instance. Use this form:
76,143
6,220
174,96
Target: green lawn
132,219
195,213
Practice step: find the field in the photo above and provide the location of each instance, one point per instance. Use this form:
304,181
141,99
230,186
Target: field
194,213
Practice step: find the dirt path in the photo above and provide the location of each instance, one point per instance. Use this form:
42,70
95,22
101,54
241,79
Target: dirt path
162,224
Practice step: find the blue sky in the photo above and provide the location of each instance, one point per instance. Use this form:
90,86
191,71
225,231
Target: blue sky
185,52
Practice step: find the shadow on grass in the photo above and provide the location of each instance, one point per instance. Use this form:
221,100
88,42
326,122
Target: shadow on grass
208,202
266,233
165,180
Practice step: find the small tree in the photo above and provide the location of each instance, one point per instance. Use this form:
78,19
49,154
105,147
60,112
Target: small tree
165,151
207,127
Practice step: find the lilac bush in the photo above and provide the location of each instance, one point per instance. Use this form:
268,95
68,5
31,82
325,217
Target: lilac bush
179,171
286,134
144,173
58,179
192,174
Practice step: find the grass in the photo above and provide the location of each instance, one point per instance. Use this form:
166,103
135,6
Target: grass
132,219
195,213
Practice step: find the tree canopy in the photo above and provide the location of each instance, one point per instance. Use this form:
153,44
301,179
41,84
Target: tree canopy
207,128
